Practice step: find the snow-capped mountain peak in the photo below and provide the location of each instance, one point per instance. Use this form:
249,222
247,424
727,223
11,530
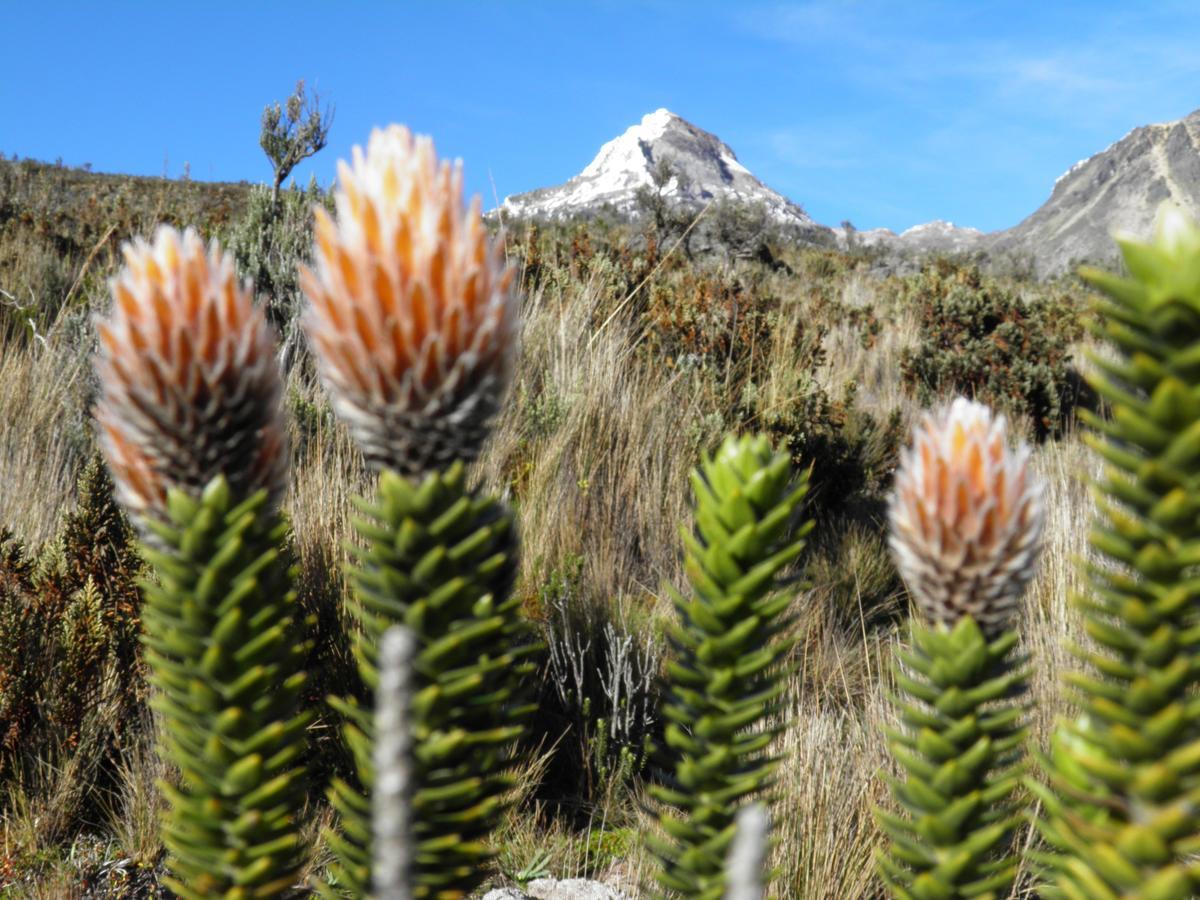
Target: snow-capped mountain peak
704,167
626,153
938,227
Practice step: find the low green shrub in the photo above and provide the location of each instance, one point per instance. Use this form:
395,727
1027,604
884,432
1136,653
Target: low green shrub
851,451
71,677
986,339
269,242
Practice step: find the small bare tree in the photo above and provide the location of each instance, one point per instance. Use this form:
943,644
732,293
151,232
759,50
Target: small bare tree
664,203
292,132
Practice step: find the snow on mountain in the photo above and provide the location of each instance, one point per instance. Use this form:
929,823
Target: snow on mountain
1117,189
706,168
937,236
938,227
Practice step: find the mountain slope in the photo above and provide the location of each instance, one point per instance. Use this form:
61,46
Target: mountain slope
1118,189
707,170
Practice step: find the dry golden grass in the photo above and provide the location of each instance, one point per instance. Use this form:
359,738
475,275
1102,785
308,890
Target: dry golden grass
137,804
593,449
608,480
577,501
44,436
873,366
826,835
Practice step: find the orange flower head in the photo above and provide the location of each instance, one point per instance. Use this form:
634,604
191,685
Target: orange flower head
189,386
966,517
412,311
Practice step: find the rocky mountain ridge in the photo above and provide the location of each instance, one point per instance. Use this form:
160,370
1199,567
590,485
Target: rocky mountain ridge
702,169
939,236
1115,190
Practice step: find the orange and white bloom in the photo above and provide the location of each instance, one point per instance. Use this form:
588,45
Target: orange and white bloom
966,517
189,385
412,311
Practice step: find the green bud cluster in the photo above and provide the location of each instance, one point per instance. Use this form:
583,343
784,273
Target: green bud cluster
728,677
225,650
438,559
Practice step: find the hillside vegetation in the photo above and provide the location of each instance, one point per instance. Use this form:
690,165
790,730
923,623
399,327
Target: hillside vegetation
635,359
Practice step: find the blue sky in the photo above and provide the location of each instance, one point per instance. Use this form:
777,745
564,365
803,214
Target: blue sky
885,113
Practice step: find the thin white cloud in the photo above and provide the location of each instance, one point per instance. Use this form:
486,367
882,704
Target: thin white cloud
868,43
1013,107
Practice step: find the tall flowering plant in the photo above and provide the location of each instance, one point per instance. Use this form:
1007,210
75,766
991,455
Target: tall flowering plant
413,321
966,524
412,316
728,678
190,423
1121,808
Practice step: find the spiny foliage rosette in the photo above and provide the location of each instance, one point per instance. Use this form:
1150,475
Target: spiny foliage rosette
191,426
961,754
413,322
1122,814
439,560
728,679
966,523
224,645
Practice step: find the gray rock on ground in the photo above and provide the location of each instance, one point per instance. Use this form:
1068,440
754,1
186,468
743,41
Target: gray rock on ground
566,889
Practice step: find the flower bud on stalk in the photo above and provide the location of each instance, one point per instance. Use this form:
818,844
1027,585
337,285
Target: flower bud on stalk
966,517
966,528
413,322
190,421
189,386
413,317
